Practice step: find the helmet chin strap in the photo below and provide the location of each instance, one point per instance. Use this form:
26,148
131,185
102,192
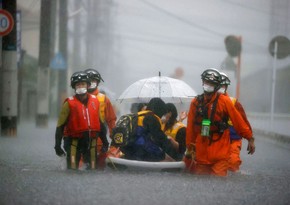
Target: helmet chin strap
81,95
217,88
226,88
90,90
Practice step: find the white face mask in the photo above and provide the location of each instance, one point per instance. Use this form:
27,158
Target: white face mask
208,88
222,90
93,85
163,119
80,91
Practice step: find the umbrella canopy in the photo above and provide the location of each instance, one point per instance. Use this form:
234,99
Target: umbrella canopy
168,89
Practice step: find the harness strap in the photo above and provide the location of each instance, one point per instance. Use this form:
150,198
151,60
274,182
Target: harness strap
211,118
202,111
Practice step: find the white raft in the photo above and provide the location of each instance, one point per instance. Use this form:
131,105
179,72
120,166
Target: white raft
125,164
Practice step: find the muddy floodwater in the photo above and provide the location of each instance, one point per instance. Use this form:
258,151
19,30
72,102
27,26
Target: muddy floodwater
31,174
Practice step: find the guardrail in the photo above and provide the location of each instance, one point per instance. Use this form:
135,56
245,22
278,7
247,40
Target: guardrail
262,122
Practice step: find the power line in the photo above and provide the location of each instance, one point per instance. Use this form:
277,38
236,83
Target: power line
247,7
168,57
205,29
172,43
202,28
169,43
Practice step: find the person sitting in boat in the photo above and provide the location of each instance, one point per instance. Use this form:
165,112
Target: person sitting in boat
137,107
175,131
151,143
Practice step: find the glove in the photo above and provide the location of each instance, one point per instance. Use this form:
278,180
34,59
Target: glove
190,151
189,158
59,151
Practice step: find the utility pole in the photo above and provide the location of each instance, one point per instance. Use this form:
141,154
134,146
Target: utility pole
44,61
239,70
234,48
63,50
90,33
53,78
9,70
77,38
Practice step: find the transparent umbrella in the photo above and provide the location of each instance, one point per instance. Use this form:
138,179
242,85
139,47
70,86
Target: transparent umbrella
168,89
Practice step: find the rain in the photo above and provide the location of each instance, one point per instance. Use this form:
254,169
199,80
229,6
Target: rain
131,40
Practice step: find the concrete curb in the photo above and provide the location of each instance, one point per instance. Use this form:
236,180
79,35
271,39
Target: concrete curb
274,136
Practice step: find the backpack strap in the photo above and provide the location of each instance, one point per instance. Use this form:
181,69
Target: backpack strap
201,110
211,117
221,125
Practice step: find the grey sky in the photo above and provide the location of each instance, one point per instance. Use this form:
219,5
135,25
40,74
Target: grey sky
161,35
165,34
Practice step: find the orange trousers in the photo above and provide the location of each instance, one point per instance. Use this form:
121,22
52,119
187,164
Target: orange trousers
219,168
235,160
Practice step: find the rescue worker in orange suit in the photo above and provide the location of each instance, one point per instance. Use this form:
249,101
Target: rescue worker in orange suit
79,123
175,131
236,140
107,115
207,132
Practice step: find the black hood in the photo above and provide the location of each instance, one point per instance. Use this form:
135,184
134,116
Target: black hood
157,106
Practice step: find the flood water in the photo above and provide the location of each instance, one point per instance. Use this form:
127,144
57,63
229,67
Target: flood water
31,174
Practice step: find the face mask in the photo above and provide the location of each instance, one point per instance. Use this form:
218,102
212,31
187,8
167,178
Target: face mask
93,85
163,118
222,90
208,88
80,91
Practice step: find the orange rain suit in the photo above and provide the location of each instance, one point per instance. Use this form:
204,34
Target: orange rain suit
212,155
108,116
236,143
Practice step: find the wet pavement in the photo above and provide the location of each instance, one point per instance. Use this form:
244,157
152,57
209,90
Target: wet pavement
31,173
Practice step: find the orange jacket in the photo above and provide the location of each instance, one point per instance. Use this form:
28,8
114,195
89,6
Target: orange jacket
239,107
207,152
82,118
241,110
106,109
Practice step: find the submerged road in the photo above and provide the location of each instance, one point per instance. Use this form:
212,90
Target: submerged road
30,173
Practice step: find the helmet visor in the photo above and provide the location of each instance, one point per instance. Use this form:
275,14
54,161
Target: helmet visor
212,76
213,73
